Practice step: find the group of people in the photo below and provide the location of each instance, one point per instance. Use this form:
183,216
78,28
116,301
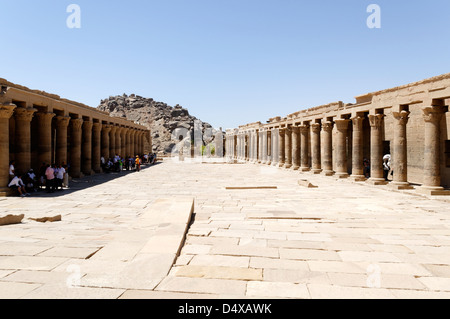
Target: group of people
50,177
387,170
128,163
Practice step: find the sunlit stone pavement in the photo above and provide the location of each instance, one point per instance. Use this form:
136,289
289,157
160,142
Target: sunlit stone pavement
340,240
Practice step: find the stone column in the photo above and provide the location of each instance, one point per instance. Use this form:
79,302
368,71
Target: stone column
141,142
288,147
304,148
341,148
106,130
247,147
327,148
357,149
112,141
132,145
251,147
275,146
75,147
269,147
6,111
264,147
376,150
23,118
260,146
118,140
295,148
123,143
281,147
62,124
431,163
86,157
96,147
45,137
128,138
400,158
239,146
315,148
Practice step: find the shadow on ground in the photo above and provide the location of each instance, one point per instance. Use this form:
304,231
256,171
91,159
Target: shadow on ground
89,181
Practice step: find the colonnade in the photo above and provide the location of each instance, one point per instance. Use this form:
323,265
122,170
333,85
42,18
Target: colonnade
334,145
61,133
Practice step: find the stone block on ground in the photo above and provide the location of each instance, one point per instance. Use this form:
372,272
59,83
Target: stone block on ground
10,219
306,183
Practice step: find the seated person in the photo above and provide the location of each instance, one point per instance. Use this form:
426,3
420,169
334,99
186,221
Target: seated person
17,184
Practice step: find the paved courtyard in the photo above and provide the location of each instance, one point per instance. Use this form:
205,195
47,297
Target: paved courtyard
266,237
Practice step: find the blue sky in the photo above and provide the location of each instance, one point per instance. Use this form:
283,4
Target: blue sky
230,62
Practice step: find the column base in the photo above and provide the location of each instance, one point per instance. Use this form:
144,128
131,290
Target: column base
316,171
295,168
5,192
287,166
305,169
401,186
358,178
341,175
281,165
269,163
328,173
377,181
433,191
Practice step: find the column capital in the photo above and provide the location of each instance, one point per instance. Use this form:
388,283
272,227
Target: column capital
327,126
62,121
44,117
97,126
114,128
315,127
376,121
342,124
303,128
88,124
76,123
25,114
106,128
402,117
432,114
357,121
6,110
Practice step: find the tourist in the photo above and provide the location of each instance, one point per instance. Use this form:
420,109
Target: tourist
366,164
42,178
138,164
120,165
31,181
66,176
12,172
386,166
60,177
50,179
132,163
17,184
102,163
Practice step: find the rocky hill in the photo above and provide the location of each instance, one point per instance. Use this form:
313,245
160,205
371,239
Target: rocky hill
161,118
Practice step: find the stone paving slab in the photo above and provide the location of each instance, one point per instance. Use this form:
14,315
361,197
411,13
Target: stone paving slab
116,240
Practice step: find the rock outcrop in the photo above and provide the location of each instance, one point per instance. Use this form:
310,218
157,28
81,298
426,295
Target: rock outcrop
160,118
